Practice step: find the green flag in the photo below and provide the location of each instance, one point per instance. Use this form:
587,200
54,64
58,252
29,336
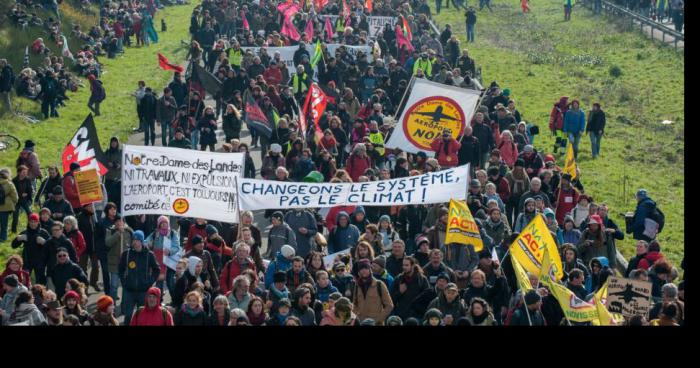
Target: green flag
318,54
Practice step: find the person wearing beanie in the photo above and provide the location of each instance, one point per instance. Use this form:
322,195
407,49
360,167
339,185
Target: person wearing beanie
529,313
216,245
32,240
282,262
58,206
358,162
344,235
12,288
138,270
303,223
532,161
150,313
71,301
70,188
379,271
209,276
280,234
370,296
641,225
165,245
104,314
198,228
595,242
278,287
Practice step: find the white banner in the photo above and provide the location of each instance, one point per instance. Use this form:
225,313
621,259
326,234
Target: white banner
287,52
437,187
180,182
430,108
376,23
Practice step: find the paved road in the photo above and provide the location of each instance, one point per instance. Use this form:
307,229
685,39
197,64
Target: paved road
138,139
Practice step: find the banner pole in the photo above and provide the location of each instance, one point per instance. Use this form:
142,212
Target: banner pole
238,207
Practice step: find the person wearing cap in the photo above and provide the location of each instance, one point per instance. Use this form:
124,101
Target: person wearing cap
118,238
342,280
370,296
595,242
446,149
281,263
532,161
54,313
638,224
138,270
34,254
476,200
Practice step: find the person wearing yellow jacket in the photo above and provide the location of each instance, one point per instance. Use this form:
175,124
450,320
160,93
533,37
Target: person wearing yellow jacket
300,83
235,56
424,64
568,6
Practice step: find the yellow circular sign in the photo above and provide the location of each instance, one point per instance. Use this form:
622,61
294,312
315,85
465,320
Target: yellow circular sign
426,119
136,161
181,206
132,265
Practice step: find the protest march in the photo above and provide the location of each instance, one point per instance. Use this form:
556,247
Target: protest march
323,163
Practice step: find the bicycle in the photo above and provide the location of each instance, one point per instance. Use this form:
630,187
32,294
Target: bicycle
8,142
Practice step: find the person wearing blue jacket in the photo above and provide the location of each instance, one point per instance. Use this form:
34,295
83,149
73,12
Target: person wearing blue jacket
344,235
282,262
305,228
138,271
644,210
574,125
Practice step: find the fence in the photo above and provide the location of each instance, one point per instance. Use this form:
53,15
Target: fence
622,14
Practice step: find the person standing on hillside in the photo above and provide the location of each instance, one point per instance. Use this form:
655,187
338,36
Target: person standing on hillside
568,7
574,125
97,94
7,80
470,16
595,128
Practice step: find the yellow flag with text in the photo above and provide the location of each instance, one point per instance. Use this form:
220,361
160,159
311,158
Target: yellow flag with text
461,227
575,309
529,248
570,161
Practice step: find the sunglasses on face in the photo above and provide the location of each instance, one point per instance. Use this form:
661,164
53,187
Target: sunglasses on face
62,255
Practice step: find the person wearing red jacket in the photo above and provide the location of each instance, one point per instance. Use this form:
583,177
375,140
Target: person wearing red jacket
236,267
358,162
14,266
273,74
556,122
70,228
446,149
152,314
70,188
566,198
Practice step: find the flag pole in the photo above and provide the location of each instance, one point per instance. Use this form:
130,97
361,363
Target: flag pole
238,205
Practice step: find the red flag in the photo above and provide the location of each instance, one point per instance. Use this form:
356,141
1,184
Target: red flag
346,9
317,101
289,30
246,25
289,8
165,64
407,29
309,30
84,148
368,5
320,4
329,29
401,39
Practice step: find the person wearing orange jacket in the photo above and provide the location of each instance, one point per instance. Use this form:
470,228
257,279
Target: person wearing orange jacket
446,149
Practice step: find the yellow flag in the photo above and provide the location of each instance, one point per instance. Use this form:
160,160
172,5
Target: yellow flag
529,248
550,269
575,309
570,161
521,275
461,227
606,318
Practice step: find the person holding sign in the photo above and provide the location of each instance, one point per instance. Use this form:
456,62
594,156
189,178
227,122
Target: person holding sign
165,244
446,149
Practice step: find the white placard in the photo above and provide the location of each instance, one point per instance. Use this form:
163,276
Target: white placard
180,182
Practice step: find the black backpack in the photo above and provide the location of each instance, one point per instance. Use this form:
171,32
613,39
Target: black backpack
2,195
659,217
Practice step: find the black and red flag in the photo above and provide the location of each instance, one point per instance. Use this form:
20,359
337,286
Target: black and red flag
256,118
165,64
84,148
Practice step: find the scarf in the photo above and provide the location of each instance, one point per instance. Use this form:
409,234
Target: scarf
478,320
192,312
256,320
280,294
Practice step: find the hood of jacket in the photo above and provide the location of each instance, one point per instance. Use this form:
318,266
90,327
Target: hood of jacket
152,291
281,260
359,209
192,264
339,215
602,260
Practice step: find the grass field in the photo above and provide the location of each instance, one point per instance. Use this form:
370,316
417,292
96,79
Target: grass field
118,117
540,58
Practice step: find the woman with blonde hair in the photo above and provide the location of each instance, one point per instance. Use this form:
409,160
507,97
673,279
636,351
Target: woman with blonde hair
191,313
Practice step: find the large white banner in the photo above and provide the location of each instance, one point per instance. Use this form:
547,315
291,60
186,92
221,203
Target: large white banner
180,182
376,23
287,52
430,108
437,187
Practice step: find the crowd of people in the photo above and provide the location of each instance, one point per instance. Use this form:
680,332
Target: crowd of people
395,267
